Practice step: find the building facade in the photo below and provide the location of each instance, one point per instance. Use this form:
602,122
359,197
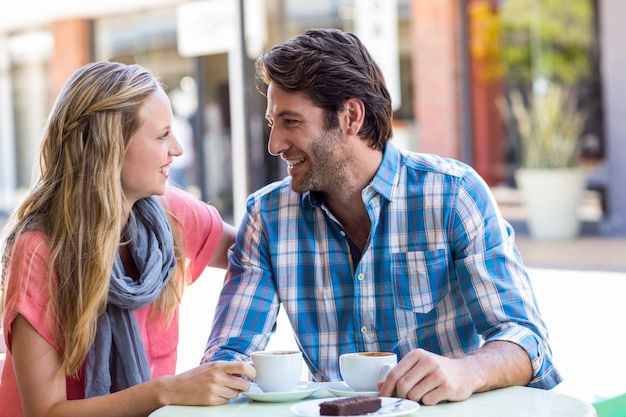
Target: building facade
445,74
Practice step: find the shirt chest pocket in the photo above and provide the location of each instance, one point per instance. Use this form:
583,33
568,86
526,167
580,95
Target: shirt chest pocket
420,279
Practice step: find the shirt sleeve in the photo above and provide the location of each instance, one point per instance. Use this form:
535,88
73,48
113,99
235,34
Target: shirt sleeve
28,290
200,225
495,283
248,305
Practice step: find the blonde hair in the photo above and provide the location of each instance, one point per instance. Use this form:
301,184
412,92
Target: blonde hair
77,199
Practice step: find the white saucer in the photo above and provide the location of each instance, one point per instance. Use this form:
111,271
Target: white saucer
311,408
341,389
303,390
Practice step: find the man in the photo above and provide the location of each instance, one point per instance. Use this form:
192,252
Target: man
369,248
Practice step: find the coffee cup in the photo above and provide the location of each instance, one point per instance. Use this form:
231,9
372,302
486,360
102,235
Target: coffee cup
277,370
363,370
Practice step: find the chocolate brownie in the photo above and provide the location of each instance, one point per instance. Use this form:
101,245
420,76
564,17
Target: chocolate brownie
350,406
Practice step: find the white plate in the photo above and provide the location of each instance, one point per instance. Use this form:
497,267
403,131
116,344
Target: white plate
311,408
341,389
303,390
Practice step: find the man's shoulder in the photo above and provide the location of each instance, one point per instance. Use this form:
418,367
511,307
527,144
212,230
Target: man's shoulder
275,203
277,190
433,163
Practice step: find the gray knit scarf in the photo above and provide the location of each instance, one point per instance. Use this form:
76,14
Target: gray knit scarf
117,359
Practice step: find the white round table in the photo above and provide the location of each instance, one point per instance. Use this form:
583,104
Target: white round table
510,402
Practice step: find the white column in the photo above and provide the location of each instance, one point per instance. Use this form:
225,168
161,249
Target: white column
613,68
238,125
376,25
8,180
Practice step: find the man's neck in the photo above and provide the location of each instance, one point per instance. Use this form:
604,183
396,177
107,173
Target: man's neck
346,203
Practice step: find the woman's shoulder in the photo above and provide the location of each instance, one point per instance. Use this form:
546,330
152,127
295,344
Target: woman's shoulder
173,197
178,202
30,256
192,214
29,243
200,226
28,282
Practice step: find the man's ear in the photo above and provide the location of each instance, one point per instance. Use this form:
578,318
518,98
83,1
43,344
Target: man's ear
354,113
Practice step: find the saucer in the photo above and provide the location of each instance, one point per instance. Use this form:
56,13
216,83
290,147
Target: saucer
303,390
311,408
341,389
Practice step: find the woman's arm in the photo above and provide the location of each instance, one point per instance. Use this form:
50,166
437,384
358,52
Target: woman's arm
43,393
220,256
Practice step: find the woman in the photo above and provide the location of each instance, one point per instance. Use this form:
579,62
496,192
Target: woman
97,256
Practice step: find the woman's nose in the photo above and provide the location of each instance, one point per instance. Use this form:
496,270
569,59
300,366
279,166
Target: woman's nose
176,148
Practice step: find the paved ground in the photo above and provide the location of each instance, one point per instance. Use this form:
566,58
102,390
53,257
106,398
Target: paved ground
585,315
587,253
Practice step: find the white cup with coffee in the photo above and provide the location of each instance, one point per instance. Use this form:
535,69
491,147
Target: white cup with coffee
277,370
363,370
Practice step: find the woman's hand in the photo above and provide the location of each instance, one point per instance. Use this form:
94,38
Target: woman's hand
212,383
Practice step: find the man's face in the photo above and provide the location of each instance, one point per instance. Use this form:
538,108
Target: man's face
317,158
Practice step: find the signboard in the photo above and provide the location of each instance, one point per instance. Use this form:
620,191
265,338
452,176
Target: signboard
206,27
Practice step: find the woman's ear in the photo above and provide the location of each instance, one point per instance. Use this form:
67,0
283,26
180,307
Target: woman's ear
354,110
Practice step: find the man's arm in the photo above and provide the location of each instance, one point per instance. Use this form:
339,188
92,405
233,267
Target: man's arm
429,378
496,290
247,307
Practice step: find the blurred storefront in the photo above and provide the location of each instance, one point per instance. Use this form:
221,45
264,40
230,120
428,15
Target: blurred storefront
449,72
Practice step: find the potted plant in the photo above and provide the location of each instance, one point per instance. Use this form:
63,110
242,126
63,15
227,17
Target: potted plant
550,128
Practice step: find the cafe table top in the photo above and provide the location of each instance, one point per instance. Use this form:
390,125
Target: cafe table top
510,402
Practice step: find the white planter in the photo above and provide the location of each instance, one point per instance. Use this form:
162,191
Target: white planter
552,200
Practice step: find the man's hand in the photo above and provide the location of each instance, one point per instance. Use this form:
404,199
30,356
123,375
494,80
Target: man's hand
430,379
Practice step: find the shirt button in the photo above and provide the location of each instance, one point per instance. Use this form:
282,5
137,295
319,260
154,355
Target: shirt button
342,233
360,277
363,329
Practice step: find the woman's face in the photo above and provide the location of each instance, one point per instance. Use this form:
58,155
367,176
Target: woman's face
146,165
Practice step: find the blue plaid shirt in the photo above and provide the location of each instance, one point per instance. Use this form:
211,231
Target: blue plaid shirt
440,272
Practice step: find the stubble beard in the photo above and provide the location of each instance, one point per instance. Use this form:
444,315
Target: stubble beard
329,161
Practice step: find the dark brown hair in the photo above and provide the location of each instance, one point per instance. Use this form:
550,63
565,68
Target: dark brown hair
330,66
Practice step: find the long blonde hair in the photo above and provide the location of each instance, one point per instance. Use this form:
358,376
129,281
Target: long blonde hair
77,199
